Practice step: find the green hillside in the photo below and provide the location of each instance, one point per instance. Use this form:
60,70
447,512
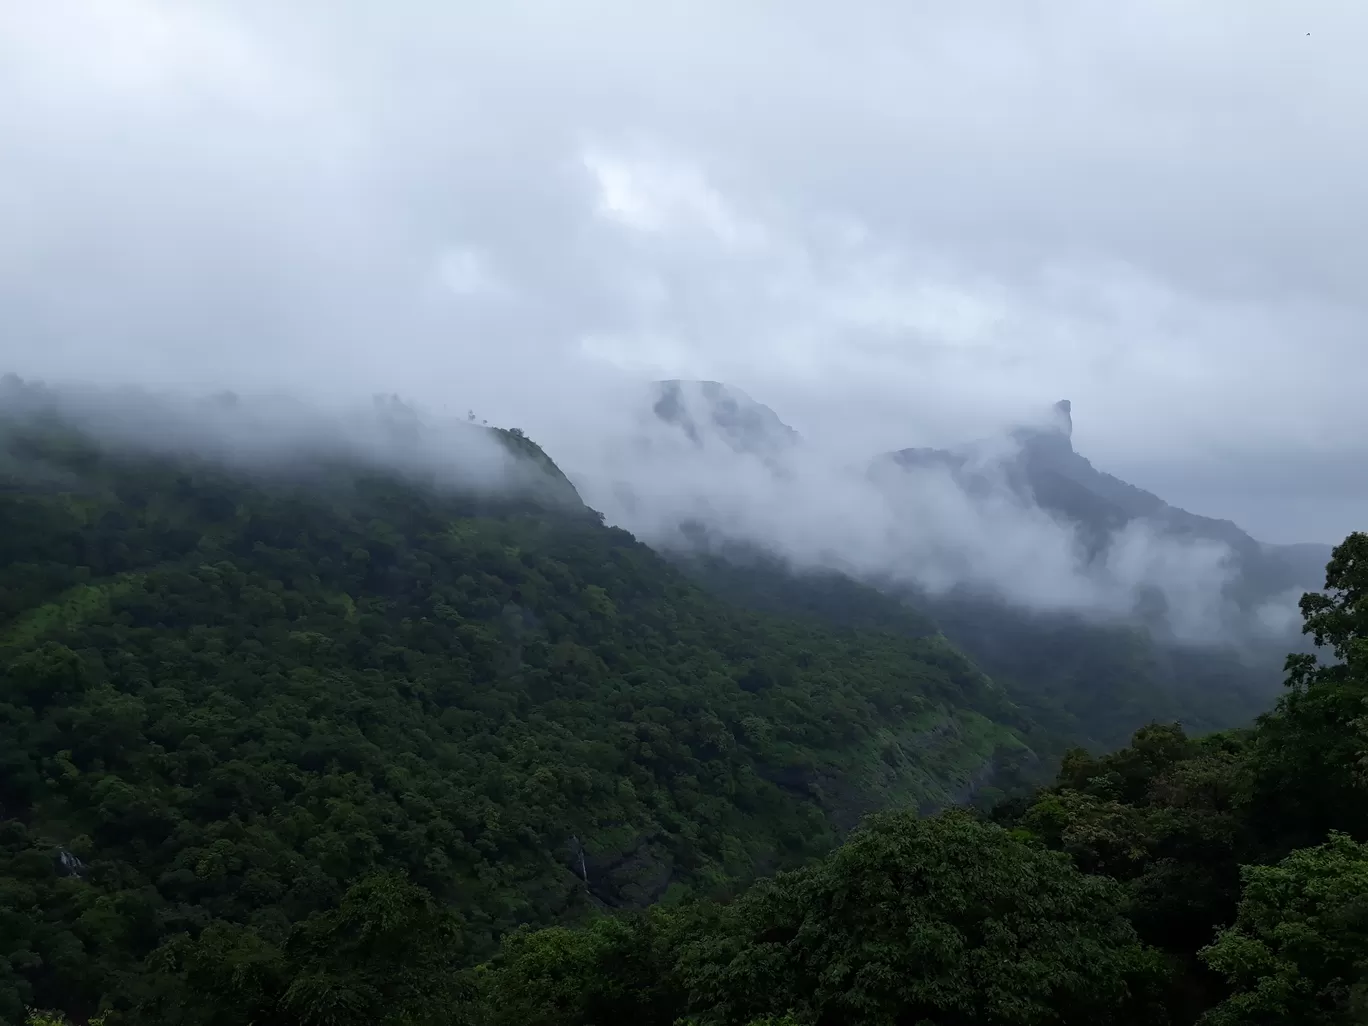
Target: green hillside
1220,880
229,699
1077,682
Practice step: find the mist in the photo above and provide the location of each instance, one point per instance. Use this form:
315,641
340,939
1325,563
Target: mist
820,507
810,502
282,434
898,224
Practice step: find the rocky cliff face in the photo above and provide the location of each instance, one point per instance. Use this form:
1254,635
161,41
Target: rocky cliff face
1044,468
709,411
1250,587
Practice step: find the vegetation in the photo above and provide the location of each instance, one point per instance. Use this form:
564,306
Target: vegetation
325,744
262,733
1076,682
944,920
1097,683
1166,882
1299,945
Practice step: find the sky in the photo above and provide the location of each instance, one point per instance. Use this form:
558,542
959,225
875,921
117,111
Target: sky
895,223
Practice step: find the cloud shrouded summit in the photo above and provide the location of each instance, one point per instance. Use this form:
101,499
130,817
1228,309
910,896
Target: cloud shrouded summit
1021,515
901,224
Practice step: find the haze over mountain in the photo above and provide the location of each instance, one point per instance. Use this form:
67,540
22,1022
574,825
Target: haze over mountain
1047,471
1020,515
548,696
907,225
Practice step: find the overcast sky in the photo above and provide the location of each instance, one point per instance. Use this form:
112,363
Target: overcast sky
895,223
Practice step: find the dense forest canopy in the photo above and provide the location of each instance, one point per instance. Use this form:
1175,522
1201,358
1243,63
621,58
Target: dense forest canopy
348,743
1220,879
229,696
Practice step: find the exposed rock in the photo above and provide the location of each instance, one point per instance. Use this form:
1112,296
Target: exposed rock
632,875
700,408
68,864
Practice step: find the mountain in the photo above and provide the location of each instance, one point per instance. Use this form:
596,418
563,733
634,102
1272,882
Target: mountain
1036,462
710,409
302,717
1046,470
242,686
1094,679
1216,881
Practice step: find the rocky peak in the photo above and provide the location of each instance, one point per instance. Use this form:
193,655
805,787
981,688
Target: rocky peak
1064,417
727,413
1051,438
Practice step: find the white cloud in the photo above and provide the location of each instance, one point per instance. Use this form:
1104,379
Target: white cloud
915,526
901,222
469,273
660,196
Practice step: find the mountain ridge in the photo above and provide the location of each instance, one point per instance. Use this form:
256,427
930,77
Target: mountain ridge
230,697
1043,467
1095,678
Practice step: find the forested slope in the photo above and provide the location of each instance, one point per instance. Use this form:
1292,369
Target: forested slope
1220,880
1097,682
229,699
1091,678
1089,683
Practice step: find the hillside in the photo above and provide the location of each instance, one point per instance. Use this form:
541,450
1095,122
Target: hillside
1220,880
709,408
1036,463
233,691
1091,679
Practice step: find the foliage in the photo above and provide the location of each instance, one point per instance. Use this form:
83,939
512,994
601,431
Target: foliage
1164,818
388,954
947,920
615,969
228,698
1313,752
1298,950
1098,682
1072,680
1175,820
317,743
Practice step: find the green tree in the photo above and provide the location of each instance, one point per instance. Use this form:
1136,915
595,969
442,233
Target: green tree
387,955
1309,769
615,969
1297,954
947,920
227,696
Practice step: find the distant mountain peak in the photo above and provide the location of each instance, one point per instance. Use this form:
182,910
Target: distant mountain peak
1064,415
1047,470
700,408
1051,437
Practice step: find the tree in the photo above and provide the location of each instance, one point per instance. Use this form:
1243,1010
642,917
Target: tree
1298,950
41,1017
615,969
386,955
1312,753
948,920
389,954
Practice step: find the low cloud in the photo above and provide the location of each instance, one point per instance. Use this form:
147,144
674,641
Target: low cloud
820,507
278,433
900,223
810,502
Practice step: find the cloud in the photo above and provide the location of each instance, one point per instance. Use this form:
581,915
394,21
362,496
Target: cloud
896,223
467,272
281,436
918,526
